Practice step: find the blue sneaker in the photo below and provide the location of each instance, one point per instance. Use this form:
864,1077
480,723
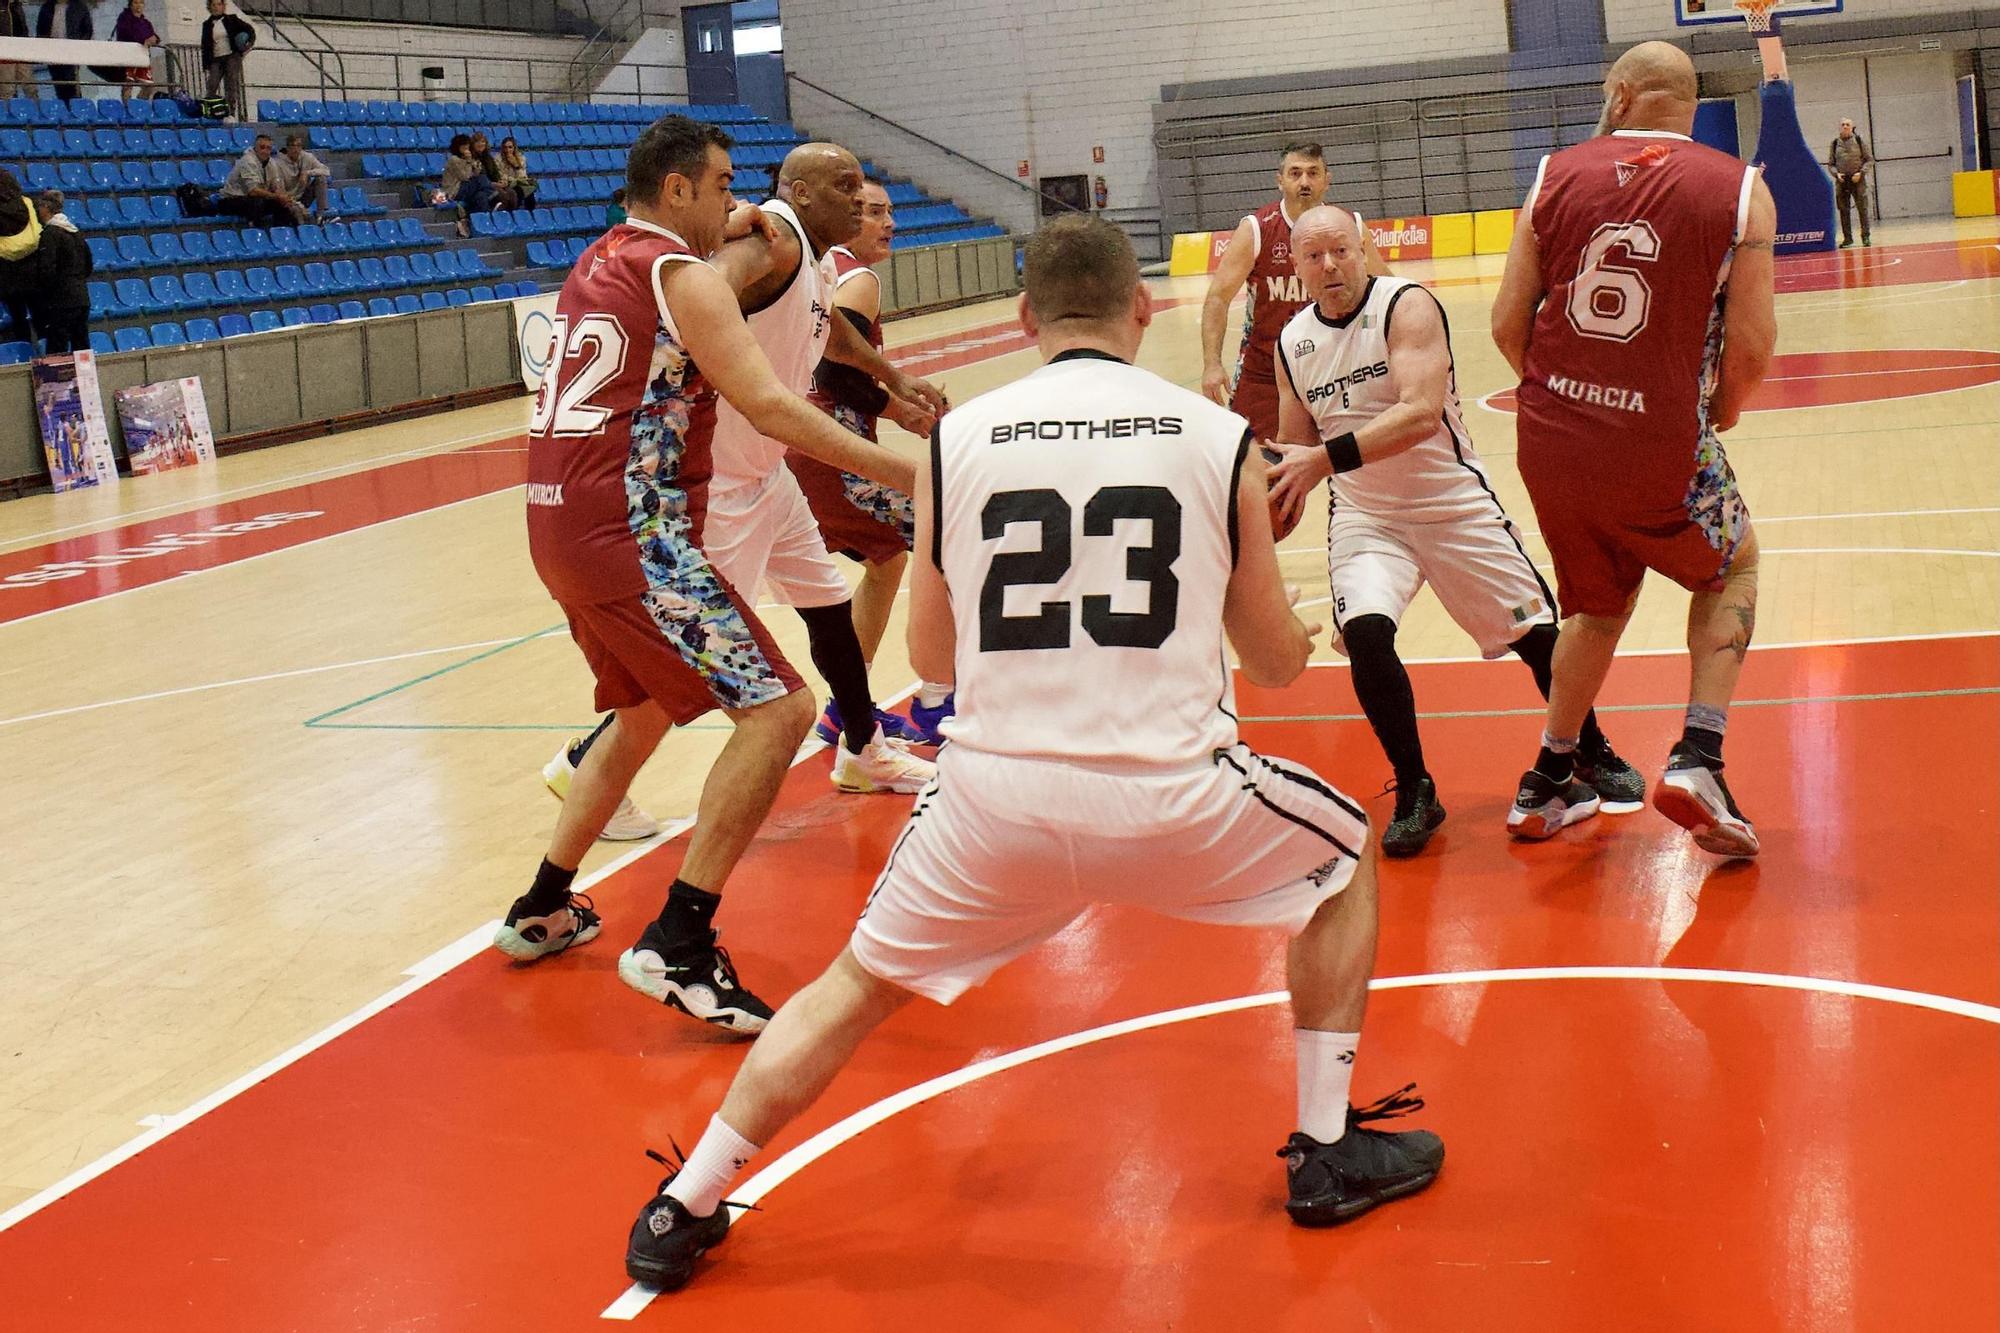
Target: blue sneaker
894,726
924,721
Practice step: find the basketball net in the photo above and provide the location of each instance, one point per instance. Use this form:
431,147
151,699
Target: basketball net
1763,25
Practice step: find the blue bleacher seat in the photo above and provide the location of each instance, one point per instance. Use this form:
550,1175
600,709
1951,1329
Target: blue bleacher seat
433,300
230,288
373,276
423,267
106,143
168,334
21,110
289,112
215,139
338,237
132,211
163,210
312,239
482,293
167,248
353,310
319,279
256,244
202,330
212,173
97,175
146,143
447,263
539,256
407,304
168,294
284,240
228,243
133,252
200,289
101,213
188,142
290,279
373,165
457,296
16,353
163,175
412,232
40,176
381,305
103,254
354,202
233,326
100,342
267,108
346,277
322,312
131,340
102,300
163,111
133,176
200,247
48,111
398,269
291,317
261,282
76,143
75,176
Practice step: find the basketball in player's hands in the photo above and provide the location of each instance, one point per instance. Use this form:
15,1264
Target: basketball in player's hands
1281,525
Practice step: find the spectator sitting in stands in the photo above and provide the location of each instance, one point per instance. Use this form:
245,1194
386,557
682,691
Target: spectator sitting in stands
299,176
20,237
73,16
247,193
59,294
465,183
614,212
482,153
133,26
514,172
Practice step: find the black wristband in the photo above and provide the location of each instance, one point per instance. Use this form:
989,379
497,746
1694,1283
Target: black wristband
1344,452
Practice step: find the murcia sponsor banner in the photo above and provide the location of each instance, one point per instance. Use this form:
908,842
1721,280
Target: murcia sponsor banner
535,334
1402,238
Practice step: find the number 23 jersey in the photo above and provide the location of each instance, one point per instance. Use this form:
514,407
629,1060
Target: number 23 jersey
1085,526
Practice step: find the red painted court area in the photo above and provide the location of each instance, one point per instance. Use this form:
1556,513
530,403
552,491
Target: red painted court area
1688,1154
1829,379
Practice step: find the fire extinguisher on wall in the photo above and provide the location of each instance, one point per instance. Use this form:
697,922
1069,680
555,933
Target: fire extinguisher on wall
1101,192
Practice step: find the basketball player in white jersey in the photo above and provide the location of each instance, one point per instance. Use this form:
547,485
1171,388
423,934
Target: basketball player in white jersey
1368,399
1085,538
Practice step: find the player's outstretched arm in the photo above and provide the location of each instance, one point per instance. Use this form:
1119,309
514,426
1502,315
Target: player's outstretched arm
847,346
1750,317
933,634
712,329
1271,642
1228,279
1520,295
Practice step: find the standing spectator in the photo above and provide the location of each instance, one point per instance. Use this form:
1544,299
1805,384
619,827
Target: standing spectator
70,19
614,212
247,193
15,80
1849,160
300,177
59,297
514,173
20,236
134,26
465,183
224,39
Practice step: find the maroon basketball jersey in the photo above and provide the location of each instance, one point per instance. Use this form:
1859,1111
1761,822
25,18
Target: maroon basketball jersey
1275,293
1635,233
619,445
842,386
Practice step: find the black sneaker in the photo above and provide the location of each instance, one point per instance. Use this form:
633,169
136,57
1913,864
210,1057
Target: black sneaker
667,1238
694,976
1417,816
1331,1183
1544,807
527,935
1693,795
1619,787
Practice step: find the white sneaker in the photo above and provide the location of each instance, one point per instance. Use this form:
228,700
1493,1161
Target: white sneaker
628,823
880,767
1695,797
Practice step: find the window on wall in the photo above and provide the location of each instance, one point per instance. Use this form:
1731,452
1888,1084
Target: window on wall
760,39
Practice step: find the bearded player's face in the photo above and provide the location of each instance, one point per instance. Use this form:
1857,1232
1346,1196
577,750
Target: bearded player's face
706,202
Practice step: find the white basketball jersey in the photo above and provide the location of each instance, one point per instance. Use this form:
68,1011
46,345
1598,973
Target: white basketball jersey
1086,529
1340,371
792,329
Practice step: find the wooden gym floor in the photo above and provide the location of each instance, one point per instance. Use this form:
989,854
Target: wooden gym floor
267,788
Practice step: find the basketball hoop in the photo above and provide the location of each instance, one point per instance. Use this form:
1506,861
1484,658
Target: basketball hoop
1757,16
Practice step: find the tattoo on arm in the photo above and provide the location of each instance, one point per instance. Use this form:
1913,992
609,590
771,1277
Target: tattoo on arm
1753,245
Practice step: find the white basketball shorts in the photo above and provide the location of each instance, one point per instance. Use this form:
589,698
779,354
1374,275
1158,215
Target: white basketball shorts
765,536
1002,852
1476,565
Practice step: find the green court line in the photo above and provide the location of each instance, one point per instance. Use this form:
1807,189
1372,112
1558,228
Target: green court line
1651,708
444,670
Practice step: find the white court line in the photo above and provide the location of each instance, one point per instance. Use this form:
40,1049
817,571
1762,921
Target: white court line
418,974
193,502
258,680
261,555
1680,651
636,1298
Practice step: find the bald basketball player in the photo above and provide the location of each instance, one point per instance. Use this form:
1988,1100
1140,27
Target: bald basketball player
1259,255
1637,307
1368,403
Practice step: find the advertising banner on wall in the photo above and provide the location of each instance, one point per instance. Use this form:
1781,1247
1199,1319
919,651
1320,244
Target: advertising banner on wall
70,410
165,424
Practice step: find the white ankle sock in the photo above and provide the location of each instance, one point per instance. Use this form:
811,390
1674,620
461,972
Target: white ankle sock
713,1166
932,696
1326,1070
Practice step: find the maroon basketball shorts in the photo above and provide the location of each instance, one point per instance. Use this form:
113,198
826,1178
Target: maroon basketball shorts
861,519
1606,524
1256,400
690,648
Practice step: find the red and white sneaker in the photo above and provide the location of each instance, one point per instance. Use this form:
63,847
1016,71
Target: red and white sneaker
882,766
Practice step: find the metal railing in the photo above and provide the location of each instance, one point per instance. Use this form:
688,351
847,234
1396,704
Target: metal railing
332,82
925,139
607,44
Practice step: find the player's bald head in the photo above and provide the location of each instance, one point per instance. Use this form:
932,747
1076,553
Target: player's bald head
1323,224
815,164
1651,87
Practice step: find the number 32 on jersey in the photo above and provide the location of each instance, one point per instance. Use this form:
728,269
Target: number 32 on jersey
1050,626
562,404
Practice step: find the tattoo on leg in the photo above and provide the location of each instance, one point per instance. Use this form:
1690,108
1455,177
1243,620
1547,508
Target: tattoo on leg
1746,626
